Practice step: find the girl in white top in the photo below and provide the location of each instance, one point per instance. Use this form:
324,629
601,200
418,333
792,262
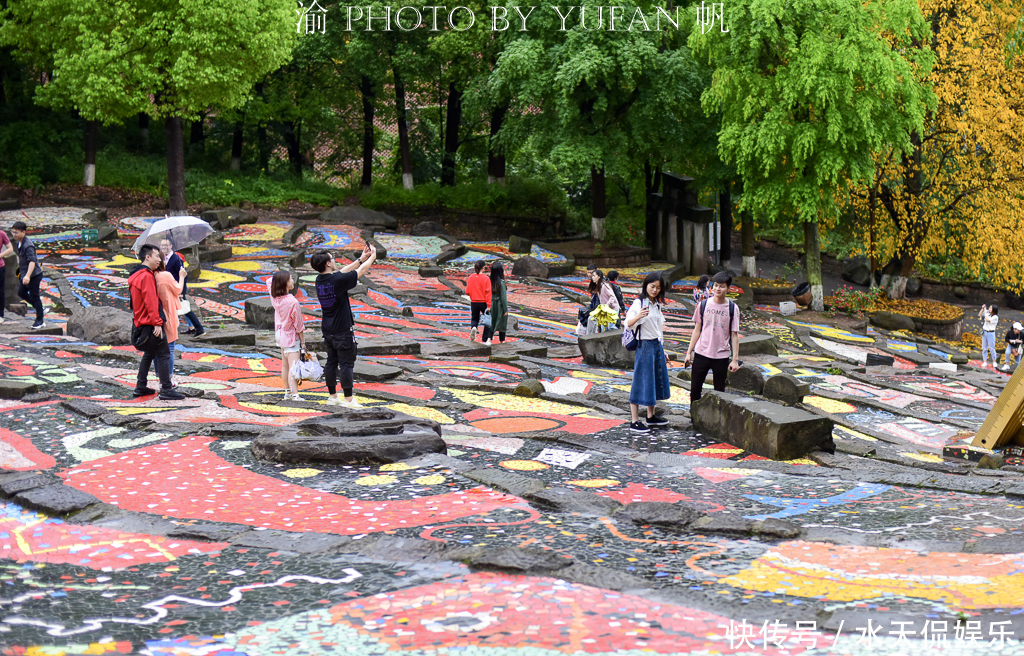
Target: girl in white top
990,316
650,371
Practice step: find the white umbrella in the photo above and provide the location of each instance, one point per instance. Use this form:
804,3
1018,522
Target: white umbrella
183,231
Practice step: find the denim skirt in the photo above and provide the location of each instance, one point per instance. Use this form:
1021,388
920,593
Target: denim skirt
650,374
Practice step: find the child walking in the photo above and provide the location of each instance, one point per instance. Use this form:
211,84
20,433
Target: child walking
717,325
990,319
478,287
288,328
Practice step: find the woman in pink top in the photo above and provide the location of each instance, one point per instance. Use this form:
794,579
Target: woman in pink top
169,290
288,328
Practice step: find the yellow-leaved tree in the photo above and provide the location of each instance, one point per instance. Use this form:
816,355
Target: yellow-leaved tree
960,192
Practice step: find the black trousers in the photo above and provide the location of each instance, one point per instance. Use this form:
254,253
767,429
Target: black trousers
476,309
3,300
701,366
341,354
30,293
488,334
193,320
162,354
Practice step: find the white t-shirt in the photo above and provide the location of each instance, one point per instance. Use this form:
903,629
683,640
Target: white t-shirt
991,320
652,326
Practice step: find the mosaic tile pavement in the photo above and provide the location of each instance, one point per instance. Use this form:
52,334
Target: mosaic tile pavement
875,542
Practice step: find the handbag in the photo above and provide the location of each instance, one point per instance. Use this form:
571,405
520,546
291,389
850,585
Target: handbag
143,338
485,319
307,367
185,307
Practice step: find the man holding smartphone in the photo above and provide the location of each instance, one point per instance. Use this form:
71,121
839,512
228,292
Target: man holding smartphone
715,332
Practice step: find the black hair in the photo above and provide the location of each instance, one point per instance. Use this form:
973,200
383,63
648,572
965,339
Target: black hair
994,309
478,266
319,261
723,277
19,225
613,275
702,282
593,287
653,276
497,273
145,251
591,267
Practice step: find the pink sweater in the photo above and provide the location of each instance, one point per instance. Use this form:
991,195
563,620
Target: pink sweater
287,318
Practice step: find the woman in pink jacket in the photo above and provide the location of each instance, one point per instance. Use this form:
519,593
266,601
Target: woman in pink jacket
288,327
168,288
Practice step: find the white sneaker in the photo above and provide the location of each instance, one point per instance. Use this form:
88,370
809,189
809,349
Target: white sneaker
487,343
334,400
984,364
351,405
472,332
1,319
295,397
1005,367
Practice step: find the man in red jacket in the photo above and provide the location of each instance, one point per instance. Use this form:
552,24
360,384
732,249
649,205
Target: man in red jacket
147,311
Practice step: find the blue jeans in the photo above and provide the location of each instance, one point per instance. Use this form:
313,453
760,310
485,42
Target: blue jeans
170,345
988,343
1009,353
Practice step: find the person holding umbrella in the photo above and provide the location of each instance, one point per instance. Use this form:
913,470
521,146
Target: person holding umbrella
174,265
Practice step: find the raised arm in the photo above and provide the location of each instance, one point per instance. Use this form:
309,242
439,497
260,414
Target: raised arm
364,265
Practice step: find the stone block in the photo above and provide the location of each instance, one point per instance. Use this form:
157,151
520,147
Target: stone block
520,560
288,541
892,321
57,499
215,253
767,429
228,338
786,388
506,481
211,532
671,516
518,244
16,482
16,389
606,350
259,313
356,215
565,500
759,344
431,272
857,270
227,218
428,229
388,346
374,373
87,409
529,387
101,325
747,378
529,267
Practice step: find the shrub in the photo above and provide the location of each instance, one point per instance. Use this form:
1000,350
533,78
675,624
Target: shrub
851,301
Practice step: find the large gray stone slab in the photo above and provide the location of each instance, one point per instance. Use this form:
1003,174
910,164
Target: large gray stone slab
374,373
259,313
16,389
387,346
87,409
455,348
767,429
211,532
228,338
101,325
57,499
606,350
520,560
505,481
564,500
786,388
755,344
362,217
369,435
15,482
287,541
672,516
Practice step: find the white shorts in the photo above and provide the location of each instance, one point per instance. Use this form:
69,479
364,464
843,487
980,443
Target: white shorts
291,349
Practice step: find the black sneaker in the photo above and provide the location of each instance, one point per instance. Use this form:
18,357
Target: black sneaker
639,427
145,391
199,333
657,420
39,324
171,395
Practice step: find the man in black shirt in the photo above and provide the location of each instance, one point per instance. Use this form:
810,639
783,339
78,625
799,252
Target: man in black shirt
332,286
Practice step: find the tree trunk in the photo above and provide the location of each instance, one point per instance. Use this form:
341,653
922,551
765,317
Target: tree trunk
747,236
89,178
495,159
292,138
144,131
175,165
236,147
812,257
453,122
197,138
368,92
403,132
652,183
263,146
725,205
872,202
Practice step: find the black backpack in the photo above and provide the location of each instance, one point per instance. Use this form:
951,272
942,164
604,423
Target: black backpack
732,306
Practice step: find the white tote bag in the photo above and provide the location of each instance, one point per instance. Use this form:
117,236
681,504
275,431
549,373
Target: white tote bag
307,367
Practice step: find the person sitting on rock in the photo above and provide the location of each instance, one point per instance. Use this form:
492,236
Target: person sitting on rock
1014,344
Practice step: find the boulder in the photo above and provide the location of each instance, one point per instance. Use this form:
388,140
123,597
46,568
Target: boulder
759,344
408,312
227,218
913,286
57,499
767,429
87,409
374,373
529,387
529,267
519,244
892,321
431,272
356,215
101,325
959,358
520,560
586,503
606,350
428,229
747,378
350,437
672,516
786,388
857,270
228,337
16,389
259,313
214,253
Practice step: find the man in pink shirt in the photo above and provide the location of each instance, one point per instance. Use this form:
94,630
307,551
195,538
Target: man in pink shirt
716,329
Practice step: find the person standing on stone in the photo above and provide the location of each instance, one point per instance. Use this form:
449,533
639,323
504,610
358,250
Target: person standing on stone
289,328
147,311
715,332
30,272
1014,344
332,287
168,288
478,287
175,266
650,370
6,250
990,319
499,305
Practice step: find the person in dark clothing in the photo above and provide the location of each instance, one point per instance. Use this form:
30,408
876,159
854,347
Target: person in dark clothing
332,287
30,272
1014,344
6,250
148,311
613,276
173,264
